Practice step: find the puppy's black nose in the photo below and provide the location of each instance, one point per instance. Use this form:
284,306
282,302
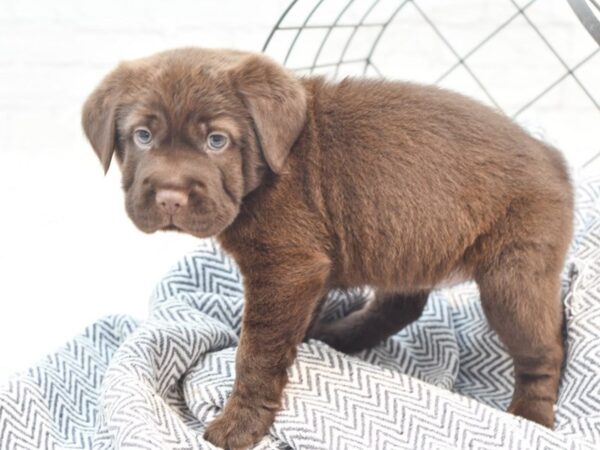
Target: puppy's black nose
171,200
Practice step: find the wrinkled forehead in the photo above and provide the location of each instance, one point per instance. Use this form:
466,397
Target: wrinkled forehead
179,95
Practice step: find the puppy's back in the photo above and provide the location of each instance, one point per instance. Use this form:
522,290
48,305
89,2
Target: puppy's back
432,135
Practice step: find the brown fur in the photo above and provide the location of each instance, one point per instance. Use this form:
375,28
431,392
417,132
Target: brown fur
332,185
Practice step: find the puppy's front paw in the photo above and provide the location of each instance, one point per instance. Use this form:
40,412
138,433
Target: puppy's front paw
240,426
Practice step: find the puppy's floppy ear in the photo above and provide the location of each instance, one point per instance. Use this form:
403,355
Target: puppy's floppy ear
276,101
99,117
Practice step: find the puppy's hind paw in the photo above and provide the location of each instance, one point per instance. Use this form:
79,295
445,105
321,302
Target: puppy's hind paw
537,410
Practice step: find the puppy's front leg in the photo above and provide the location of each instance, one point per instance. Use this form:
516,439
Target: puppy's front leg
280,300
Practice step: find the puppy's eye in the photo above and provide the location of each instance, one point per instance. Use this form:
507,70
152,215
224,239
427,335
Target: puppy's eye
217,141
142,137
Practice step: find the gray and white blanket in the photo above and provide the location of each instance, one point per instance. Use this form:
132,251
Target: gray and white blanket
441,383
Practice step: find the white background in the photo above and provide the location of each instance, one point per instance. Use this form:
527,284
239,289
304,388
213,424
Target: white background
68,253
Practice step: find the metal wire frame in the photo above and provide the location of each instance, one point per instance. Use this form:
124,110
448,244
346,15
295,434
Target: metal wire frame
580,7
587,17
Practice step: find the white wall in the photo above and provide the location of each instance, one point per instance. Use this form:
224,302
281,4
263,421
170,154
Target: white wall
68,253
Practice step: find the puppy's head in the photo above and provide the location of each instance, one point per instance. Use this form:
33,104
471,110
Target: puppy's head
194,131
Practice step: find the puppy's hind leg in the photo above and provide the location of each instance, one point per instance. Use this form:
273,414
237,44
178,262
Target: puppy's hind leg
380,318
521,300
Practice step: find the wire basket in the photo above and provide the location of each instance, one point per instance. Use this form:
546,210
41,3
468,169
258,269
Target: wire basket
520,56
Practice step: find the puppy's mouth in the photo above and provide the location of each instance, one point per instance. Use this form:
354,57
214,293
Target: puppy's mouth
173,223
171,227
178,224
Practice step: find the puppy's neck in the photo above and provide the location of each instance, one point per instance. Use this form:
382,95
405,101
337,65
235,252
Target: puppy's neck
276,196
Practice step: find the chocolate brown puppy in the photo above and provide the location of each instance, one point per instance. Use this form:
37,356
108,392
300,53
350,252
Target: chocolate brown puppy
312,185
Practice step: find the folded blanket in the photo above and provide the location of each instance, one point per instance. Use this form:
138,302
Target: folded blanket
441,383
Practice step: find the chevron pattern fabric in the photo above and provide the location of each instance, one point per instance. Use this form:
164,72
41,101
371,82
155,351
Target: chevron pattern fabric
441,383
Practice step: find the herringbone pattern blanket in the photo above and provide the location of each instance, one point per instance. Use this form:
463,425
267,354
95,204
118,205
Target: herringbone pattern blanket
442,383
